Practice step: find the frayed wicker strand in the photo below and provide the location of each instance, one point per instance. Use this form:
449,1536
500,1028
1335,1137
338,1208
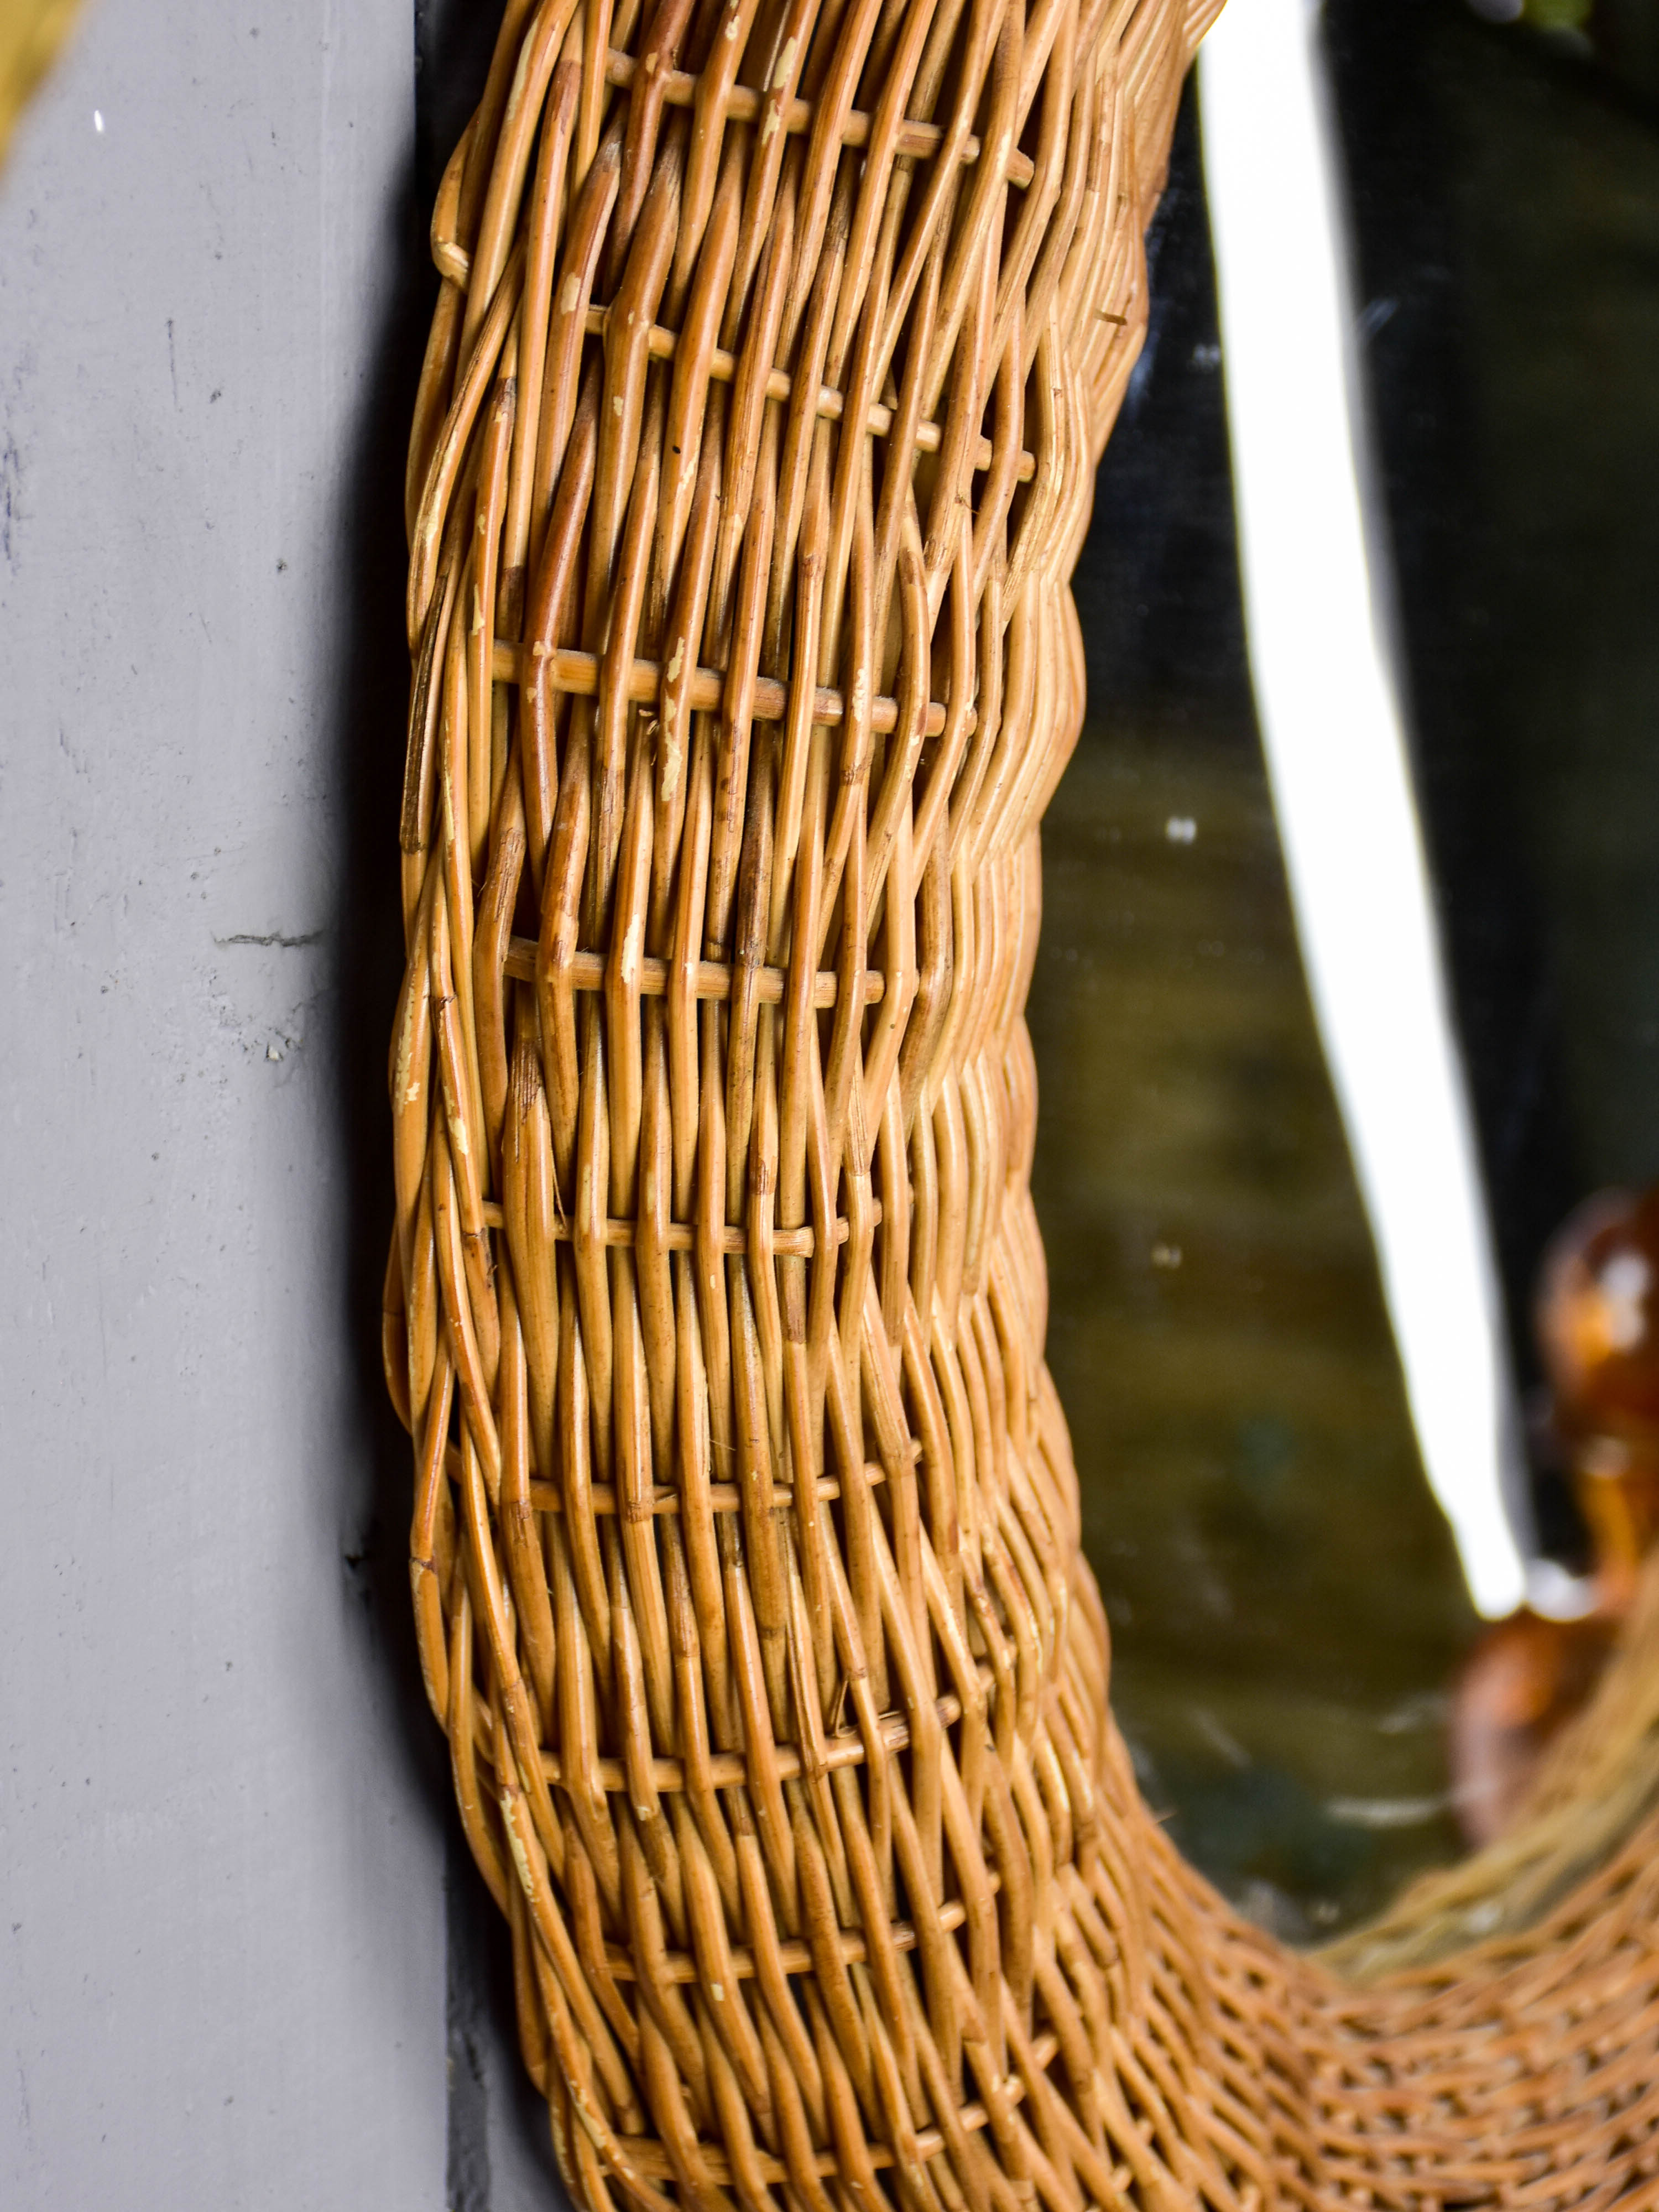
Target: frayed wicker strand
776,344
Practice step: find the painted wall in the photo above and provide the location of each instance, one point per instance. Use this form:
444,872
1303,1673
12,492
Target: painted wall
242,1962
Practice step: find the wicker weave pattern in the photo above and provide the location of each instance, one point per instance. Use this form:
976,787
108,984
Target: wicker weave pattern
776,344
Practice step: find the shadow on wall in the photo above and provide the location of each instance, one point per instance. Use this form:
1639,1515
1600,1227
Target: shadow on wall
500,2155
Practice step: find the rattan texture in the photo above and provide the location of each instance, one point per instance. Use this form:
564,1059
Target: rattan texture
776,344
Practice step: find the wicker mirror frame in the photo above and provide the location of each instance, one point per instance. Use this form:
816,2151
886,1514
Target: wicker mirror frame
776,344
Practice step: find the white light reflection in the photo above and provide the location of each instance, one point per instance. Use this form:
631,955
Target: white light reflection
1337,762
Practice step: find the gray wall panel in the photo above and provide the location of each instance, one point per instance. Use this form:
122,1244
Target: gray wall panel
222,1950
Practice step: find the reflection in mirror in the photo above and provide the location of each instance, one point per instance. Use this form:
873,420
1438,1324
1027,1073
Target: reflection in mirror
1289,1618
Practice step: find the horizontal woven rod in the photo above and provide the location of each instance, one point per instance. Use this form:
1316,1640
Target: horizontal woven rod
742,104
723,1497
712,980
730,1770
578,673
653,2163
682,1236
794,1956
662,343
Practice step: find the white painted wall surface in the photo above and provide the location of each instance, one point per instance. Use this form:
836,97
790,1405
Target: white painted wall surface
223,1823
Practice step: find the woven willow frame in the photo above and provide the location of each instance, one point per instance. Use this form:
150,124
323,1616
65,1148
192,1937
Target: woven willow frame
776,344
